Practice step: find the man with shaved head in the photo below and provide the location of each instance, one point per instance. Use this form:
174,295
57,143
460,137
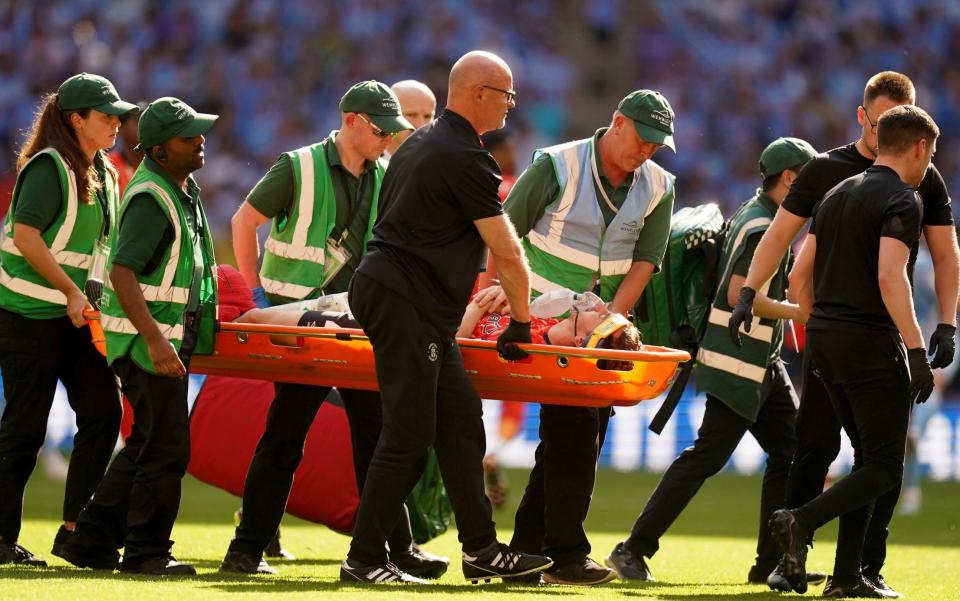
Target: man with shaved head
418,105
438,209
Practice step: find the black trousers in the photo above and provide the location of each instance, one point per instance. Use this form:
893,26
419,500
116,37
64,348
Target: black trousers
818,444
270,476
427,400
718,437
866,377
555,503
137,501
34,354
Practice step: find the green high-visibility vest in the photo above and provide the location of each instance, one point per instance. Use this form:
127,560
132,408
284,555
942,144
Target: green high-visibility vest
70,238
183,282
295,253
731,373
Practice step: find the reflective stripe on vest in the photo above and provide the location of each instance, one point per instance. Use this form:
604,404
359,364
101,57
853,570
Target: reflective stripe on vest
285,289
27,288
305,202
165,291
122,325
731,365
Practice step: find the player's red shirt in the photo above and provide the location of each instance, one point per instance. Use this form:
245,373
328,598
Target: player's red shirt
493,324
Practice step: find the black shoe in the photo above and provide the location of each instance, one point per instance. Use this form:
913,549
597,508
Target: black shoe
792,540
276,550
96,558
380,573
419,563
585,572
158,566
628,565
58,541
778,582
17,555
860,588
876,580
501,561
235,562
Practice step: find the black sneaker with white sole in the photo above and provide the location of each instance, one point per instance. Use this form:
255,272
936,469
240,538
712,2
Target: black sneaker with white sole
378,573
501,561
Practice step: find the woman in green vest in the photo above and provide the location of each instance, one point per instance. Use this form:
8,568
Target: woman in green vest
59,219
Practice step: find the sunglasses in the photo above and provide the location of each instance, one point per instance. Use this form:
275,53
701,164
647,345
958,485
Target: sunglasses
376,130
510,94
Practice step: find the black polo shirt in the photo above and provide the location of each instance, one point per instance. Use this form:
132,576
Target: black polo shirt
827,170
848,225
425,246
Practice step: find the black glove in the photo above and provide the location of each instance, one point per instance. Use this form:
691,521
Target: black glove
943,345
742,314
515,332
921,377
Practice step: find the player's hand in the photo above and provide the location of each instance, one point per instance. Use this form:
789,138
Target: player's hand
164,357
76,305
516,332
943,345
921,376
742,314
260,298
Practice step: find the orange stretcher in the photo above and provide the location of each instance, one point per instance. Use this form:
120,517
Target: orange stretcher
344,358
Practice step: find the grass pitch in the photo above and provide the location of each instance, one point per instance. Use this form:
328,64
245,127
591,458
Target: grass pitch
704,557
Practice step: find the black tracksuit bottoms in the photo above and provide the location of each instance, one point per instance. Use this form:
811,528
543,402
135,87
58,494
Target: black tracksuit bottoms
270,476
137,501
34,354
719,434
427,400
866,376
550,516
818,444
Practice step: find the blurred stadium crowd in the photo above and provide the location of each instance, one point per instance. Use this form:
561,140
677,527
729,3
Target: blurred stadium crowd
738,73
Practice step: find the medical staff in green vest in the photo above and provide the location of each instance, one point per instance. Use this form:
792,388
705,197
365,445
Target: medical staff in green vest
748,389
62,208
158,310
322,200
593,214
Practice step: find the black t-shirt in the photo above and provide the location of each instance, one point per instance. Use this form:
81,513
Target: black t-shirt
848,225
425,246
827,170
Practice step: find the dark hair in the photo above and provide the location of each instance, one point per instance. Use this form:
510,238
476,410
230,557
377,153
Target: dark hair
770,182
624,339
902,126
895,86
496,138
51,128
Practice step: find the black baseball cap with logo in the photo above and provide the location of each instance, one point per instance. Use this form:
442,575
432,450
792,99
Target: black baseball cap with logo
378,102
88,91
169,117
651,114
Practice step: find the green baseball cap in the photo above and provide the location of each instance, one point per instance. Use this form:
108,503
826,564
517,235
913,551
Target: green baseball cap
784,153
88,91
169,117
651,115
378,102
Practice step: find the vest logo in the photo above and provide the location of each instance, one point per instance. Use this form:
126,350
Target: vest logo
433,352
630,227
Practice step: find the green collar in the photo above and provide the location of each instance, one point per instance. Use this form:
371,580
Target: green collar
193,190
333,155
766,202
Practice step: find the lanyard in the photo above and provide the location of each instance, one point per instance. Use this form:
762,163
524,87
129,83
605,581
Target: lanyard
596,179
